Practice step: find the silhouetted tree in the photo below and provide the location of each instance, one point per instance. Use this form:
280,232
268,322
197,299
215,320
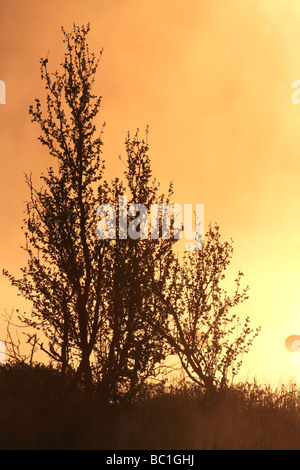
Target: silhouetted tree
209,339
63,273
89,294
136,345
112,307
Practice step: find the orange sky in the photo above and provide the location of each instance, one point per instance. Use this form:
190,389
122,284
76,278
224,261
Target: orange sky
213,82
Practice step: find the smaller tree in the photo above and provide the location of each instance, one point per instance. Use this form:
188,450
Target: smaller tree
129,350
202,330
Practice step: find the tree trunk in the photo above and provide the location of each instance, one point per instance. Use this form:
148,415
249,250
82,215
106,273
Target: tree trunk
86,373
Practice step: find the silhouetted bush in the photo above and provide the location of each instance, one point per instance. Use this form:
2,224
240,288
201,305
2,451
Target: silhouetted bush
34,414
